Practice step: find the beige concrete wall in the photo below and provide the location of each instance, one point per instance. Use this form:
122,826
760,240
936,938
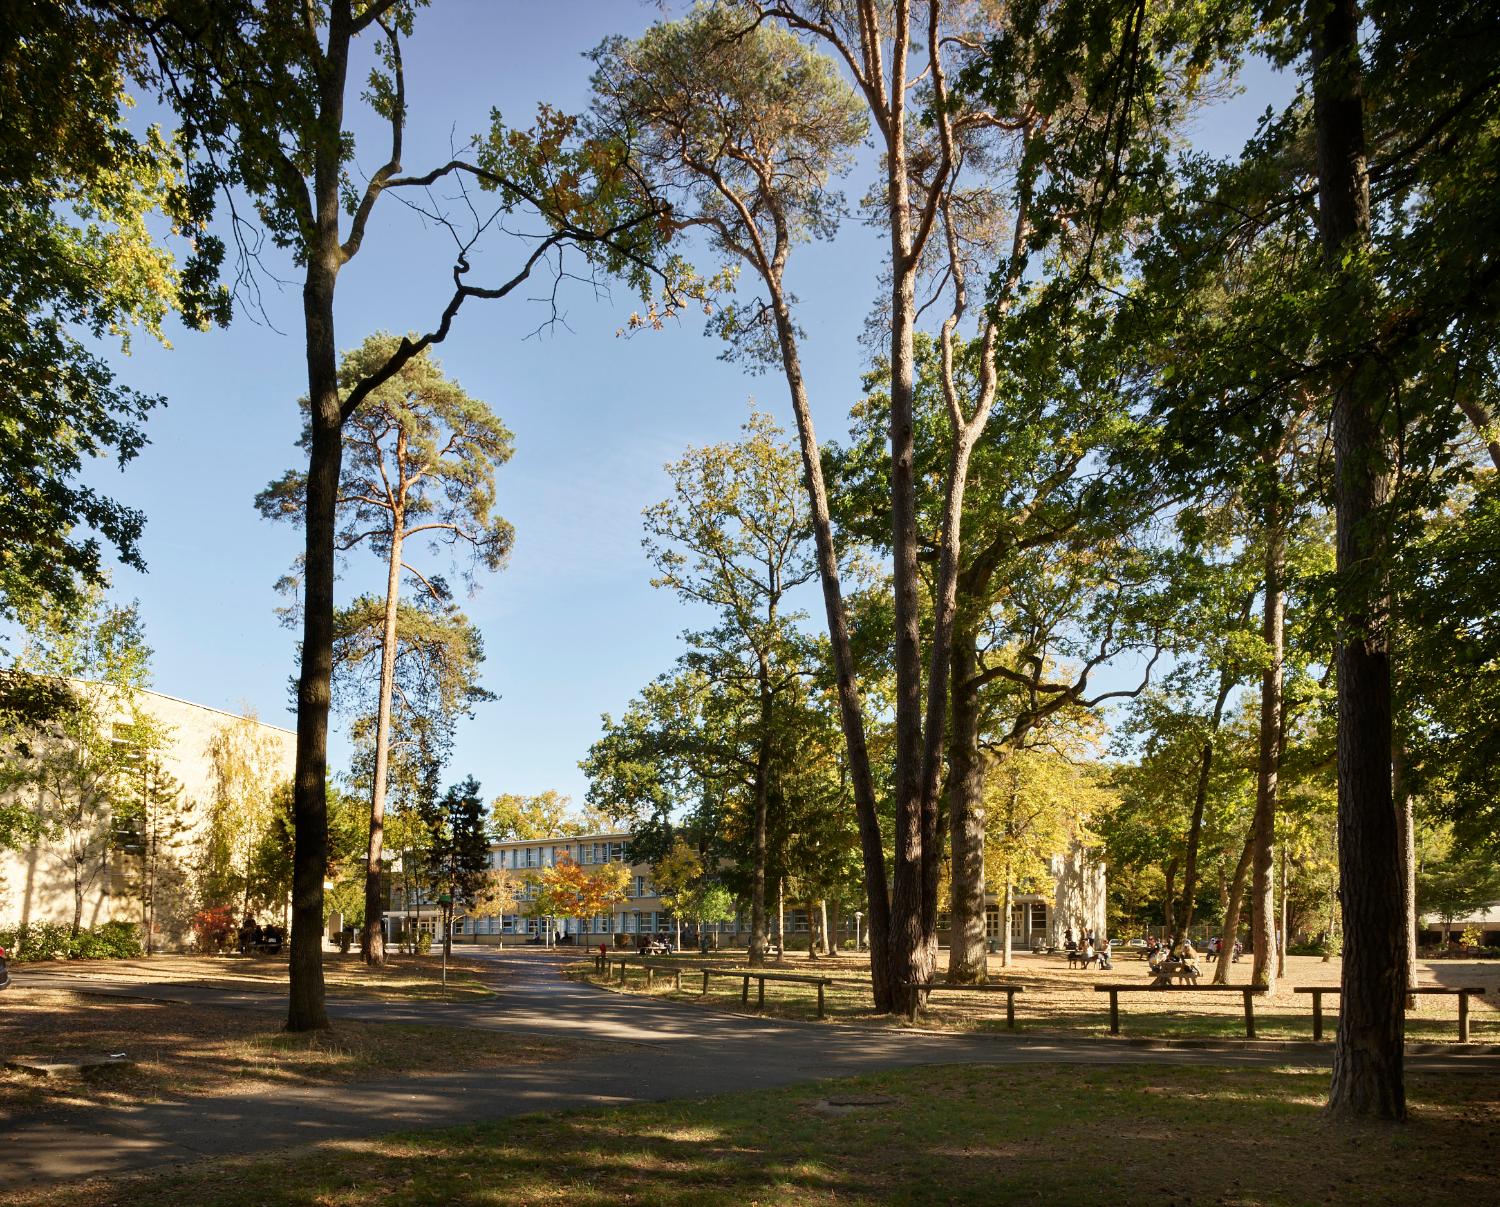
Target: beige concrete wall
35,884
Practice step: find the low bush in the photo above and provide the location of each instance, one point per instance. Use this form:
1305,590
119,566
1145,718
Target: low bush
215,928
52,941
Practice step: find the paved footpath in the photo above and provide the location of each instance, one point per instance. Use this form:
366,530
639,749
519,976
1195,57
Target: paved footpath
628,1049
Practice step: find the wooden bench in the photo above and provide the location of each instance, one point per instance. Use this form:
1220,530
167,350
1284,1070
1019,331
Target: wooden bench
746,975
649,965
1075,958
1463,993
1010,992
1249,992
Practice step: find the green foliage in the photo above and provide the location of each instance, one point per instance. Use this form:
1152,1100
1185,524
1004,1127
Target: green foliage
548,814
53,941
80,193
241,811
1457,885
78,765
740,127
419,461
459,853
1449,675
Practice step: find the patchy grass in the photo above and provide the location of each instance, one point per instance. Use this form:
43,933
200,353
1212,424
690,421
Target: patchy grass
1052,1135
402,978
1062,1001
183,1051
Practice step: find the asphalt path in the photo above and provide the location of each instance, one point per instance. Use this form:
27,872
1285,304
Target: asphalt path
618,1049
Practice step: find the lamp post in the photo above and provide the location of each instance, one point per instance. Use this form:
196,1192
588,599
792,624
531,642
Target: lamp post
857,917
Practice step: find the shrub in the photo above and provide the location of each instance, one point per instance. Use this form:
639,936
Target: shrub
215,928
36,941
1324,945
424,943
112,941
51,941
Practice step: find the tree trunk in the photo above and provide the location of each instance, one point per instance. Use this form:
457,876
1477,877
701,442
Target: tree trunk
374,939
1368,1071
1263,829
1403,804
310,783
1231,928
761,789
851,711
812,929
911,927
77,903
1169,901
1200,801
1281,937
966,946
781,916
324,256
1008,908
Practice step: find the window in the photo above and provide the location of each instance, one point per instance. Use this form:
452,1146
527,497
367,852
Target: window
992,923
1038,915
630,923
642,887
585,852
617,852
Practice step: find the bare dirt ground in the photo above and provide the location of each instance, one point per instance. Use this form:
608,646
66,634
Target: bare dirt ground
178,1051
403,977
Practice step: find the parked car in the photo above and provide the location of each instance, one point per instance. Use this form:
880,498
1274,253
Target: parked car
4,971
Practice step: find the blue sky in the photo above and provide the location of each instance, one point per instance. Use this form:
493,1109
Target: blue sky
572,627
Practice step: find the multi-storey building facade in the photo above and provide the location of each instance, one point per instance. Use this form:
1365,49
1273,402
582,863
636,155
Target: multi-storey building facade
1076,902
47,880
640,912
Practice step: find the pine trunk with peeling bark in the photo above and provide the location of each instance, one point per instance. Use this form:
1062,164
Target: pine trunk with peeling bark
761,794
1368,1058
1263,828
374,934
966,773
1403,803
884,984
